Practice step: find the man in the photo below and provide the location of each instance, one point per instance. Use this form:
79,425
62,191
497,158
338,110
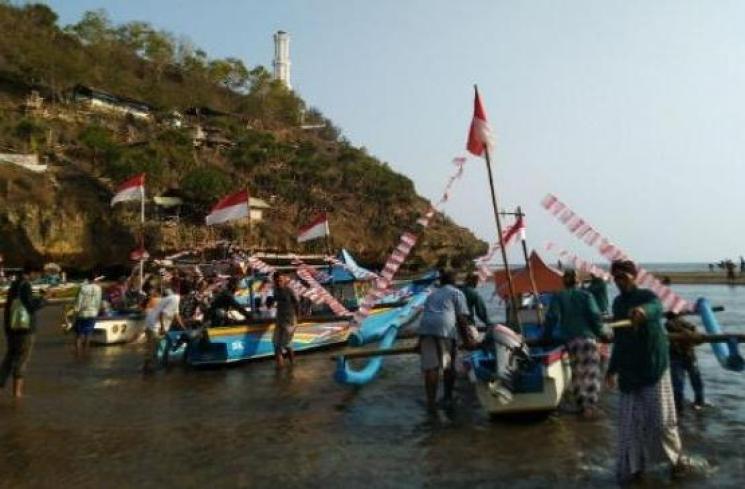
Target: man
288,309
474,301
639,365
87,307
224,302
445,314
683,360
116,295
577,315
19,332
157,323
599,291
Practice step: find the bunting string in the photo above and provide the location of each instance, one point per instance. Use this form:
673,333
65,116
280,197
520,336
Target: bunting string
509,236
405,244
577,262
582,229
306,273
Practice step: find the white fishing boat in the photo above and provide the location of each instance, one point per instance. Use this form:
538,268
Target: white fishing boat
111,329
536,389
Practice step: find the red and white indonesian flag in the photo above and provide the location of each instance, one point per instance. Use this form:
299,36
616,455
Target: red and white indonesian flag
234,206
132,189
317,228
479,136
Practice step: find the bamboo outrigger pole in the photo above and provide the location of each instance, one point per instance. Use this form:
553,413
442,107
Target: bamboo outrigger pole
514,319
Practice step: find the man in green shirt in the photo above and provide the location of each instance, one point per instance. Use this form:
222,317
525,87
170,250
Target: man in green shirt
474,301
599,290
574,312
639,365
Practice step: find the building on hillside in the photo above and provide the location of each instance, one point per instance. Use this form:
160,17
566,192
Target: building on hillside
256,208
108,102
210,137
281,61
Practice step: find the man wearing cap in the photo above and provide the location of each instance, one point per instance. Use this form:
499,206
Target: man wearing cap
640,366
576,314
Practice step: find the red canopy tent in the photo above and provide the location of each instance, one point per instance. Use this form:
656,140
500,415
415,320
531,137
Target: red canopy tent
547,279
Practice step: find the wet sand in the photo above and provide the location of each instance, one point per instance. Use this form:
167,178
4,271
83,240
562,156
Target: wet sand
99,424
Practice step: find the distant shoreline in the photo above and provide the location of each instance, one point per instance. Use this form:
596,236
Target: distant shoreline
716,277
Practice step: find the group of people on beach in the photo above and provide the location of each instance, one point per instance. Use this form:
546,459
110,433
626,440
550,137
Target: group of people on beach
641,366
641,363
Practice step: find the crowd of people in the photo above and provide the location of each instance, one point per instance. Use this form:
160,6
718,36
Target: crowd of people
641,366
647,368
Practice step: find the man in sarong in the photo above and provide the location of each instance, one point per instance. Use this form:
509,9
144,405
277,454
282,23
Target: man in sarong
640,366
576,314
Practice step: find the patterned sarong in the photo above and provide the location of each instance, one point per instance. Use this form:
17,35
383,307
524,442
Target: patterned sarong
648,428
584,358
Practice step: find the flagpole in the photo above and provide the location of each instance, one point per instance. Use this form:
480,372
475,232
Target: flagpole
142,236
514,320
538,306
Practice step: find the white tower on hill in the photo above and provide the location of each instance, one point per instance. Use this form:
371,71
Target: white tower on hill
282,58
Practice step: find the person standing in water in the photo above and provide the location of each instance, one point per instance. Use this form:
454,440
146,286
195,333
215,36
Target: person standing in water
20,328
640,367
288,310
577,316
87,307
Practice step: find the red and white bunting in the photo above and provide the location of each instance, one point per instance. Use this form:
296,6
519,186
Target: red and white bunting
578,263
295,285
401,251
509,236
590,236
306,273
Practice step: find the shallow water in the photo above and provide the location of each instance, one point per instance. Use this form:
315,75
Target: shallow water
99,423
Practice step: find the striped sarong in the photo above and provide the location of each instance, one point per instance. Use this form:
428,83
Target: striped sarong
648,428
584,358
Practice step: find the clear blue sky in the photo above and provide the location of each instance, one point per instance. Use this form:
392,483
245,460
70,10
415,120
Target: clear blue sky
632,111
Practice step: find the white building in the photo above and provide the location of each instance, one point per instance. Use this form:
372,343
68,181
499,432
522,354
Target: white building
282,58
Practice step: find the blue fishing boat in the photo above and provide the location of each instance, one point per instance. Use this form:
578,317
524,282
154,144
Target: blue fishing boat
231,344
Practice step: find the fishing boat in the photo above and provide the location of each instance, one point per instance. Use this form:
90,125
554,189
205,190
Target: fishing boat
110,329
535,388
231,344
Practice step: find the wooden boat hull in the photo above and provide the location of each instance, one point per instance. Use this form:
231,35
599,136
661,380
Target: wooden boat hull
232,344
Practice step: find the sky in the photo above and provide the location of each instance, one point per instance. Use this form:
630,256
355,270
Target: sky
631,111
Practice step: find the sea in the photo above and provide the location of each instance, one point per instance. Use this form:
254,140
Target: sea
98,423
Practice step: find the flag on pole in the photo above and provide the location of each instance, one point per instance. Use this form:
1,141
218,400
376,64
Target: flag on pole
234,206
479,136
317,228
132,189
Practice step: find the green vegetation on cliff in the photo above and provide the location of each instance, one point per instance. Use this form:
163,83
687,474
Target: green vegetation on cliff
215,125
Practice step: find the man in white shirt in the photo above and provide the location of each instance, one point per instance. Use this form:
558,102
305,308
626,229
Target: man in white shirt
87,307
157,323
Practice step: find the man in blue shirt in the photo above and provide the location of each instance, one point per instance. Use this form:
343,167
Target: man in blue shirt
445,314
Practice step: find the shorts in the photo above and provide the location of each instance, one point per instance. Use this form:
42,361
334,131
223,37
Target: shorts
84,326
437,353
282,337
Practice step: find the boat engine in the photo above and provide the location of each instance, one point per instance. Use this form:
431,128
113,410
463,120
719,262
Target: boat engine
510,356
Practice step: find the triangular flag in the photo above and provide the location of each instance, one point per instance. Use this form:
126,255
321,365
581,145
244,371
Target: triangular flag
479,136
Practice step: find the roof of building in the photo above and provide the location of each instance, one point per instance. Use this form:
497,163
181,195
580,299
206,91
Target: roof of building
110,97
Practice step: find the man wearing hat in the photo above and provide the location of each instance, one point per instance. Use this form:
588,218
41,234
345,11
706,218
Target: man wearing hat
640,366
